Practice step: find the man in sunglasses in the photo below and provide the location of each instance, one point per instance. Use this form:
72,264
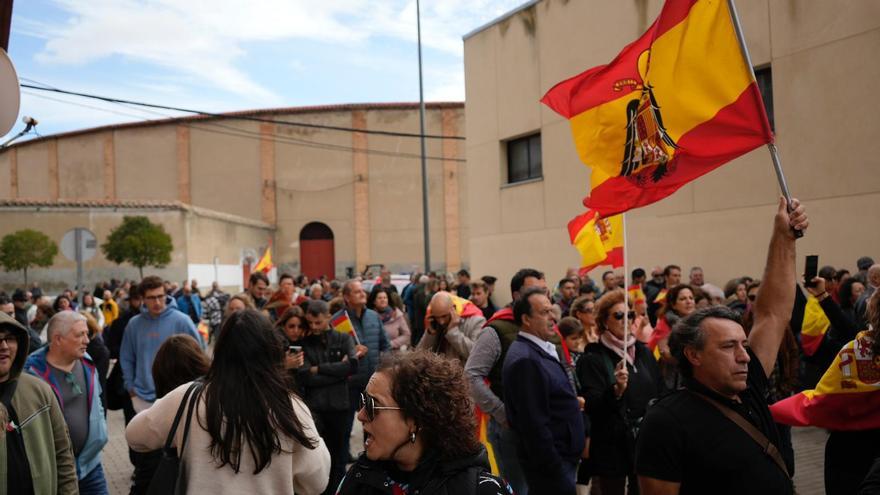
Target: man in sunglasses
72,375
36,438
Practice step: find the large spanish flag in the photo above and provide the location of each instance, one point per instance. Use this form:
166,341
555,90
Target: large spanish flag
598,240
846,398
675,104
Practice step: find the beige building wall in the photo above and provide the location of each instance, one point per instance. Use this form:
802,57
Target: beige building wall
722,221
262,182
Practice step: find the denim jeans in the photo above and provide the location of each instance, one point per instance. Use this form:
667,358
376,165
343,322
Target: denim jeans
504,442
94,483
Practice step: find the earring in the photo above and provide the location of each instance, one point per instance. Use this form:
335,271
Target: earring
412,437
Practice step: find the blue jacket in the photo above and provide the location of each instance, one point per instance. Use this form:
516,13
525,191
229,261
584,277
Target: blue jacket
542,407
141,340
90,456
183,304
370,333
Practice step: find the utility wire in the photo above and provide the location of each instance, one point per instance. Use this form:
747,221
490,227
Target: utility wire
245,134
240,117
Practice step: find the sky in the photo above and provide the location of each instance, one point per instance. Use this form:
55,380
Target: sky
225,55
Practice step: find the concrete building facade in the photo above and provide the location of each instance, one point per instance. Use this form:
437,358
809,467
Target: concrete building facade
331,196
821,108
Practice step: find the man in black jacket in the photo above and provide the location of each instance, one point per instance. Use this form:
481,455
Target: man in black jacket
330,358
540,402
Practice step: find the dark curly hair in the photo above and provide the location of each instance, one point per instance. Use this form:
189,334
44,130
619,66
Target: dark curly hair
672,296
433,391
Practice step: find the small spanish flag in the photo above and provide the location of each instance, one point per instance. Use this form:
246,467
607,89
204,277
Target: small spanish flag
636,294
814,327
846,398
265,264
675,104
342,324
599,240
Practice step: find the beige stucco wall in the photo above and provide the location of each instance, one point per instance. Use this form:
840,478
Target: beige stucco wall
145,160
198,237
55,222
823,121
274,176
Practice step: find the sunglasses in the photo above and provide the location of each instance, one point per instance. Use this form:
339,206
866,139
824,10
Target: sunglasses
618,315
368,403
753,297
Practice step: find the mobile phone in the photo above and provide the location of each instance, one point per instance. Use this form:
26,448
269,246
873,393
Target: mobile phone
811,270
295,349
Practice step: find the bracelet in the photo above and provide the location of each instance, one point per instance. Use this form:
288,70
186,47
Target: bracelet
823,296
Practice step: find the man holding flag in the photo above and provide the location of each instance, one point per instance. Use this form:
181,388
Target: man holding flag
366,329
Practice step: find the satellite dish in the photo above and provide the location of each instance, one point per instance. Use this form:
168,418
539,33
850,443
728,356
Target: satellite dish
10,94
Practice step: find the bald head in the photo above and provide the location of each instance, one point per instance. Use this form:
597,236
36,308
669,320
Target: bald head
441,303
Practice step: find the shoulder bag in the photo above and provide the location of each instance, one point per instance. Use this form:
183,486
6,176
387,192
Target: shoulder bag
769,449
170,477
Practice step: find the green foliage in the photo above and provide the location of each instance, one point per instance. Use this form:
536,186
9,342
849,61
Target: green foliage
140,242
26,248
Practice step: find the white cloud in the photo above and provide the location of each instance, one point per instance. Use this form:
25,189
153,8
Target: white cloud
205,40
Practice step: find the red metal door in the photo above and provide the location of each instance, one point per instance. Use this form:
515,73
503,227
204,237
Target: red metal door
316,251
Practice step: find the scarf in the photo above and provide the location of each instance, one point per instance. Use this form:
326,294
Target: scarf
387,314
616,345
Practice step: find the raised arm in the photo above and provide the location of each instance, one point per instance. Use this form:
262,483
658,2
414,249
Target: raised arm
775,297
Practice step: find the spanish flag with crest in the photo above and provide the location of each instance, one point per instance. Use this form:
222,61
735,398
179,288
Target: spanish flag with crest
675,104
598,240
846,398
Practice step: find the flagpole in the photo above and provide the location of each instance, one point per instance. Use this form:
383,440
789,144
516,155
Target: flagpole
626,282
774,152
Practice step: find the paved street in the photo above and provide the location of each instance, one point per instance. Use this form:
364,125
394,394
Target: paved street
809,445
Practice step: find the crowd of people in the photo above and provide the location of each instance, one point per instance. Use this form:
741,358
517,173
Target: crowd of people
658,386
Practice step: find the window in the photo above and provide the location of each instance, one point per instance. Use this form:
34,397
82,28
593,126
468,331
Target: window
524,159
764,78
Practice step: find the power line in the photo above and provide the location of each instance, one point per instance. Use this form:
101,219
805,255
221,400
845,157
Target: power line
240,117
245,134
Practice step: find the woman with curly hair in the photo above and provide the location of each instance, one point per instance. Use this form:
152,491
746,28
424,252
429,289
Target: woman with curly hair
420,432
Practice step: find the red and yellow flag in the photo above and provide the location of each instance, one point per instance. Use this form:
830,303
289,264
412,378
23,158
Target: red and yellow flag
675,104
265,264
814,326
846,398
342,324
636,294
599,240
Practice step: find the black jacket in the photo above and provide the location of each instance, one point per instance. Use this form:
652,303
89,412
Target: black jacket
466,476
612,439
327,390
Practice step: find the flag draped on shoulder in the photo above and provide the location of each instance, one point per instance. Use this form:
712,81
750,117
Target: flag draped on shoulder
598,240
675,104
846,398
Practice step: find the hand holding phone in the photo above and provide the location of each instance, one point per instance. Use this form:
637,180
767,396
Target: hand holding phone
811,270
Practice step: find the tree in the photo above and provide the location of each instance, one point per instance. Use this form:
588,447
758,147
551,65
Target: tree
23,249
140,242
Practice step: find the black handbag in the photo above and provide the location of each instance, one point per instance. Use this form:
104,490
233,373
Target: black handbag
170,476
117,396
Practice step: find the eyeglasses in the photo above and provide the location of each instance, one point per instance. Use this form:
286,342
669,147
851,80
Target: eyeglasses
618,315
368,403
154,298
9,339
71,380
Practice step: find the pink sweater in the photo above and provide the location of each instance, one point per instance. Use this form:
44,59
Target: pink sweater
296,470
